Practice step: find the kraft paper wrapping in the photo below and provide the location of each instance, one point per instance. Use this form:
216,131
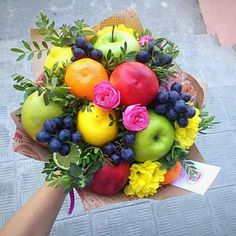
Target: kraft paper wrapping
23,144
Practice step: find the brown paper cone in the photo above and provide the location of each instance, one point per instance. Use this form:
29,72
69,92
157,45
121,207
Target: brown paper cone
28,147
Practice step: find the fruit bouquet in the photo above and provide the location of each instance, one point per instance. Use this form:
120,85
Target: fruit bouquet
111,113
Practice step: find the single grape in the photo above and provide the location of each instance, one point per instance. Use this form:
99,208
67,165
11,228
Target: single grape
73,59
59,123
64,135
166,59
128,138
143,57
172,114
116,159
127,154
151,45
180,106
81,42
176,87
76,137
185,96
79,53
160,109
55,145
109,149
43,137
162,97
190,111
96,54
68,122
89,48
183,122
65,149
173,97
50,126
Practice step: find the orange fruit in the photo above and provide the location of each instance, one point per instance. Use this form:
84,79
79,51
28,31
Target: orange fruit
172,174
83,75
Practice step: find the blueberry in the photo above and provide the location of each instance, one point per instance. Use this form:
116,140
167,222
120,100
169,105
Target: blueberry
50,126
151,45
183,122
109,149
127,154
173,97
43,137
89,47
162,97
68,122
96,54
81,42
55,145
185,96
176,87
166,59
116,159
180,106
73,59
65,149
128,138
172,114
190,111
160,109
79,53
76,137
143,57
59,123
64,135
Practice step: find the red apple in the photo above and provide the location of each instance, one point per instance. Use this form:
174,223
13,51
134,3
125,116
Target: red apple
110,179
137,83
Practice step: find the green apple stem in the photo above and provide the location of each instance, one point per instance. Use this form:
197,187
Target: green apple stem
112,33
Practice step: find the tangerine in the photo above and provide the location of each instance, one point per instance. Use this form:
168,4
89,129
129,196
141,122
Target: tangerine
83,75
172,174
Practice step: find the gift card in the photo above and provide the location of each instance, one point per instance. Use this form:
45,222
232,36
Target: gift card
200,179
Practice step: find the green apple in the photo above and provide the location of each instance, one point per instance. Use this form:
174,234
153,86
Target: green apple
34,113
155,141
105,41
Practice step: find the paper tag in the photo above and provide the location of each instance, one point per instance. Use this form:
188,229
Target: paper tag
202,181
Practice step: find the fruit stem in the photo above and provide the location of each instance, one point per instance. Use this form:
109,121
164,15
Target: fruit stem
112,33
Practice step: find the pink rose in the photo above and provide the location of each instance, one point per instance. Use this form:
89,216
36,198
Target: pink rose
145,39
135,117
105,96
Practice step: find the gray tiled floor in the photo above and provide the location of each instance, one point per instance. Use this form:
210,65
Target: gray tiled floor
212,214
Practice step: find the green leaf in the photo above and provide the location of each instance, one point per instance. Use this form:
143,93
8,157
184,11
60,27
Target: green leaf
27,46
44,44
75,170
20,57
39,54
36,45
18,87
17,50
45,98
31,55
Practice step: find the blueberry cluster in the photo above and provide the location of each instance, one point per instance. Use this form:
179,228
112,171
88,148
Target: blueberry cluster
118,154
83,49
174,105
58,133
156,57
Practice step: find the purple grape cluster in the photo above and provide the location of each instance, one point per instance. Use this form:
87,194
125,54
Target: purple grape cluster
124,153
83,49
149,53
58,133
173,105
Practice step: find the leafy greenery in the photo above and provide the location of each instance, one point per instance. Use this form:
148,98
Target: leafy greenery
65,36
29,51
110,62
207,121
79,175
177,153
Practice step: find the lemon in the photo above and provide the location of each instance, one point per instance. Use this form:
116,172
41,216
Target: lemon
34,113
58,54
94,125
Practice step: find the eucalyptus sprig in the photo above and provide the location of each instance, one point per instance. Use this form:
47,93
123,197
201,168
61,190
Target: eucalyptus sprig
207,121
29,51
190,169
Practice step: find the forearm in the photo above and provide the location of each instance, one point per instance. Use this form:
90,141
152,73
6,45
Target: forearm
38,215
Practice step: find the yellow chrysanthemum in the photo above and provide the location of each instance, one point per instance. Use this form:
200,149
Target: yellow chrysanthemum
144,179
120,27
186,136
